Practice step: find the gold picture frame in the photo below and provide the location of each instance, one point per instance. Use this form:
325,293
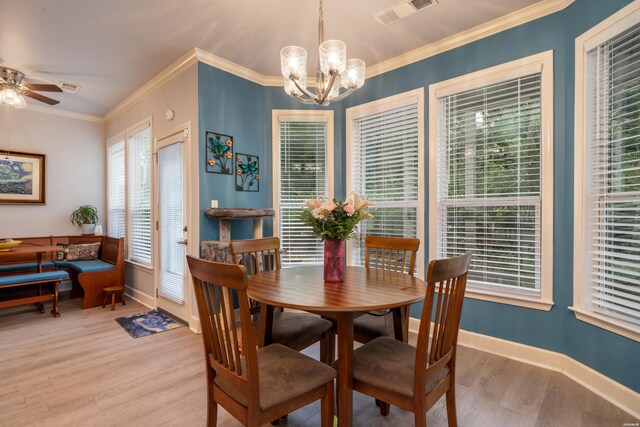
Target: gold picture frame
22,178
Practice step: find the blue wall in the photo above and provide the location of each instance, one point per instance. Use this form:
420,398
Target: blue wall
557,330
233,106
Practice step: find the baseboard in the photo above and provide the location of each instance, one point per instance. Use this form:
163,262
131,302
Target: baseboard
194,325
141,297
610,390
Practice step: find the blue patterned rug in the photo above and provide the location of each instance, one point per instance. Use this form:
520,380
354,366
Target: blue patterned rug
143,324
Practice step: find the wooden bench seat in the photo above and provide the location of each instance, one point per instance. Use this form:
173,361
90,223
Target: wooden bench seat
34,279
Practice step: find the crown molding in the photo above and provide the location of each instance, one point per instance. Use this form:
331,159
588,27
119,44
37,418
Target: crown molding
65,113
184,62
233,68
514,19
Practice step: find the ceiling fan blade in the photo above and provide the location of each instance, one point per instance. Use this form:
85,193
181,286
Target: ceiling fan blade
43,87
40,98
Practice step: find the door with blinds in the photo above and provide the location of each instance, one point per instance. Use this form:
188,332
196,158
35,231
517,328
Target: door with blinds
173,292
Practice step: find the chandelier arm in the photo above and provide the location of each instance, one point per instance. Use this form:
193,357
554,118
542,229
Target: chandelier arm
342,95
322,97
302,89
303,100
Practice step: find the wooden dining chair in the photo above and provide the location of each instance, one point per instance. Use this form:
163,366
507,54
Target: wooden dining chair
256,386
414,378
295,330
393,254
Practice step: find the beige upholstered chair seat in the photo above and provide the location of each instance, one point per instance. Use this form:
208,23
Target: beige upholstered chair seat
390,365
380,325
292,329
284,374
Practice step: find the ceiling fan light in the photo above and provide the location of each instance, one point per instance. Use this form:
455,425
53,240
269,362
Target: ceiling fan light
10,96
293,62
333,56
21,103
353,76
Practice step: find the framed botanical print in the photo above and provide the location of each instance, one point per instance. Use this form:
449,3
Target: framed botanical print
219,154
247,172
22,178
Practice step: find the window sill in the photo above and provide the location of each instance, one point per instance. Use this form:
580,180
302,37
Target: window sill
520,301
141,267
611,325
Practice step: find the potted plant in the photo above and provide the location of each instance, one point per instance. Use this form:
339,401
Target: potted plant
85,218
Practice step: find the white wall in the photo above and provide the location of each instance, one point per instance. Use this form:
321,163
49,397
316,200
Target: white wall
75,170
179,94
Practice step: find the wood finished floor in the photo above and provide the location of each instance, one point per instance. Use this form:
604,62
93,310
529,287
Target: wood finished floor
83,369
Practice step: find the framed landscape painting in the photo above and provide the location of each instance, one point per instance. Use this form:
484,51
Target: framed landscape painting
21,178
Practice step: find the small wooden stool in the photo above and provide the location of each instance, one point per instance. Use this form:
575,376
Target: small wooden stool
113,290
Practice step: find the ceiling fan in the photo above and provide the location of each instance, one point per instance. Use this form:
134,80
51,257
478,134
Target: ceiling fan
13,91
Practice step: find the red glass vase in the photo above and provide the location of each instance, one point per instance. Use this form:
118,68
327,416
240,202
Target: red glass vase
333,261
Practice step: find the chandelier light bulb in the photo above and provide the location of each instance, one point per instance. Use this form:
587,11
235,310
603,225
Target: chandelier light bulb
333,56
353,77
293,62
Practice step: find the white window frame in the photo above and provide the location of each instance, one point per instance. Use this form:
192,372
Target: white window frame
542,62
125,135
415,96
114,140
605,30
278,116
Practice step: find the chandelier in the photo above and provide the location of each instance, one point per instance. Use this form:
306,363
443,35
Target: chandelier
334,70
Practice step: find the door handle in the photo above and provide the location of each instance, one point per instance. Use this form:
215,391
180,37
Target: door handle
183,242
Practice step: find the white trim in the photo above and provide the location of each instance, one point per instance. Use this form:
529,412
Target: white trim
415,96
141,297
610,390
235,69
297,115
603,31
194,324
65,113
535,63
514,19
609,323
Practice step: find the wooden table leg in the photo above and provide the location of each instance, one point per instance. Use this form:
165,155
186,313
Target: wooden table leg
401,323
39,260
345,369
265,326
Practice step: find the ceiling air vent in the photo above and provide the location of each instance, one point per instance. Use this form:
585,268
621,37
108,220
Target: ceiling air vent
402,10
69,87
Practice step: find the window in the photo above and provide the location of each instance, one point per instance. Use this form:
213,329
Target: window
491,185
384,164
302,170
129,164
116,187
607,175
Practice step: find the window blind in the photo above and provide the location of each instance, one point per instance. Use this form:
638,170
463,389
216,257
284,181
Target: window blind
171,219
303,176
384,168
614,168
139,218
489,182
116,183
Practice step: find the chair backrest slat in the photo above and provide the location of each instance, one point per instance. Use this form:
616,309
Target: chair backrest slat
214,284
446,283
257,255
391,253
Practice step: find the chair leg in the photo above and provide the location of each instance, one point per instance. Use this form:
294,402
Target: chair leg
384,408
452,417
327,348
113,301
122,297
104,301
326,417
212,409
420,417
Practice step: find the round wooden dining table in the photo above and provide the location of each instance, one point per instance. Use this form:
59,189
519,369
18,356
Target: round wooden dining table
363,289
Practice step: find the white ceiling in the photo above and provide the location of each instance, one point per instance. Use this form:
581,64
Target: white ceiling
112,47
